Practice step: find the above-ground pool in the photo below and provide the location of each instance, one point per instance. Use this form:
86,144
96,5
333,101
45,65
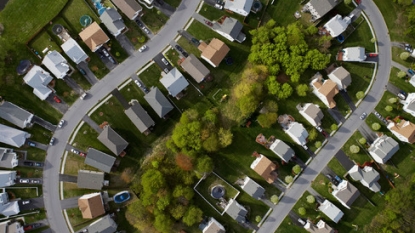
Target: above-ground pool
217,192
121,197
340,38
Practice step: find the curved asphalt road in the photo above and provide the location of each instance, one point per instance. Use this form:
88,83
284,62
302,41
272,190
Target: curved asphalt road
291,196
101,89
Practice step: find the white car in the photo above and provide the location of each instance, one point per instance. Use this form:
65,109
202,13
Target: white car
24,181
146,30
144,47
25,202
61,123
165,61
83,95
363,116
138,83
52,141
75,151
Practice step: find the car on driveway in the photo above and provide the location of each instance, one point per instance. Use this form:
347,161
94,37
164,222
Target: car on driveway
185,54
165,61
75,151
24,181
35,181
61,122
82,154
178,48
25,202
138,83
82,71
28,227
195,41
112,60
139,23
105,52
411,71
144,47
146,30
37,164
31,144
402,95
56,99
27,163
363,116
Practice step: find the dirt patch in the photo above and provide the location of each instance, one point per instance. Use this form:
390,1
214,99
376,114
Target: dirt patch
283,78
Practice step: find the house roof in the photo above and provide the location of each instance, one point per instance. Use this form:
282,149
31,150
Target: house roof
265,168
329,90
15,114
103,225
320,227
158,102
195,68
232,27
12,136
354,54
314,112
56,64
112,20
128,7
74,51
404,128
282,150
331,211
90,179
341,74
7,178
174,82
253,188
346,192
323,6
10,208
139,117
298,131
38,79
244,5
236,211
213,226
409,104
337,25
112,140
91,205
8,158
383,148
367,176
215,52
99,160
10,226
94,36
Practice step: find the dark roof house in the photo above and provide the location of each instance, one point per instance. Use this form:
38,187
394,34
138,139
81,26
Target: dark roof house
230,28
103,225
129,7
90,179
139,116
158,102
112,140
195,68
253,188
113,21
99,160
15,114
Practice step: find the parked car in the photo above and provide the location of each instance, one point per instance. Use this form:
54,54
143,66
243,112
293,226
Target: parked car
82,154
60,124
325,134
24,181
319,129
178,48
373,54
82,71
138,83
112,60
166,70
165,61
378,115
411,71
144,47
27,163
27,228
38,164
105,52
35,181
185,54
195,41
408,49
338,179
82,97
52,141
75,151
139,23
31,144
208,23
363,116
146,30
56,99
402,95
305,147
220,7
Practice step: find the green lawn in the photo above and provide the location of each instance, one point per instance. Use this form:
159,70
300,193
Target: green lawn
287,226
361,74
29,172
24,193
73,12
361,37
87,137
65,92
341,104
395,57
286,16
214,14
72,190
134,33
35,154
42,41
336,167
116,50
173,3
153,20
35,217
75,218
360,157
74,163
402,83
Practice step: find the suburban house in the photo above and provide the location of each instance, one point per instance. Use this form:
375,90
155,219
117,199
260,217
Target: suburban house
341,77
356,54
236,211
252,188
94,36
195,68
158,102
130,8
331,211
15,114
12,136
320,227
297,132
10,226
112,140
368,176
325,90
214,52
90,179
337,25
139,117
103,225
8,158
265,168
39,79
99,160
383,148
56,64
91,205
409,104
230,28
282,150
7,178
312,113
74,51
346,193
7,207
213,226
412,79
113,21
174,82
403,130
242,7
318,8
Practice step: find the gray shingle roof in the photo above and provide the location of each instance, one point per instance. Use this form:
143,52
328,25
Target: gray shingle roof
74,51
383,148
112,140
231,27
8,158
174,82
158,102
236,211
139,117
15,114
282,150
103,225
253,189
56,64
112,20
90,179
7,178
99,160
324,6
12,136
195,68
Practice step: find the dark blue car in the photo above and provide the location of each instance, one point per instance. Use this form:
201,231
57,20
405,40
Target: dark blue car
411,71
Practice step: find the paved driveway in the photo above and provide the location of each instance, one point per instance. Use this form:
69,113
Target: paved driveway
35,203
126,44
72,84
68,178
69,203
90,76
61,107
157,60
45,124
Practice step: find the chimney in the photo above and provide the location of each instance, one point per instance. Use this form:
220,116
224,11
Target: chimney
256,154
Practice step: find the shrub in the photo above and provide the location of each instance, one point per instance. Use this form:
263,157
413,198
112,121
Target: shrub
296,169
376,126
362,141
311,199
354,149
258,218
360,95
288,179
274,199
404,55
318,144
302,211
334,127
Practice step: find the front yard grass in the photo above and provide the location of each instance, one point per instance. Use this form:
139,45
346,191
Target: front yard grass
361,74
341,104
74,163
75,10
35,154
288,226
35,217
29,172
173,3
75,218
336,167
72,190
87,137
396,52
153,19
402,83
134,33
65,92
23,193
360,157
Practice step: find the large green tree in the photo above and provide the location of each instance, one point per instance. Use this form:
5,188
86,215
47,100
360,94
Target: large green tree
193,215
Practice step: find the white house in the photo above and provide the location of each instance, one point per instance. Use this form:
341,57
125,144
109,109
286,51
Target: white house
7,178
356,54
113,21
368,176
404,130
325,90
409,104
383,148
318,8
297,132
412,80
341,77
242,7
346,193
74,51
230,28
337,25
282,150
331,211
320,227
312,113
56,64
39,79
12,136
8,158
